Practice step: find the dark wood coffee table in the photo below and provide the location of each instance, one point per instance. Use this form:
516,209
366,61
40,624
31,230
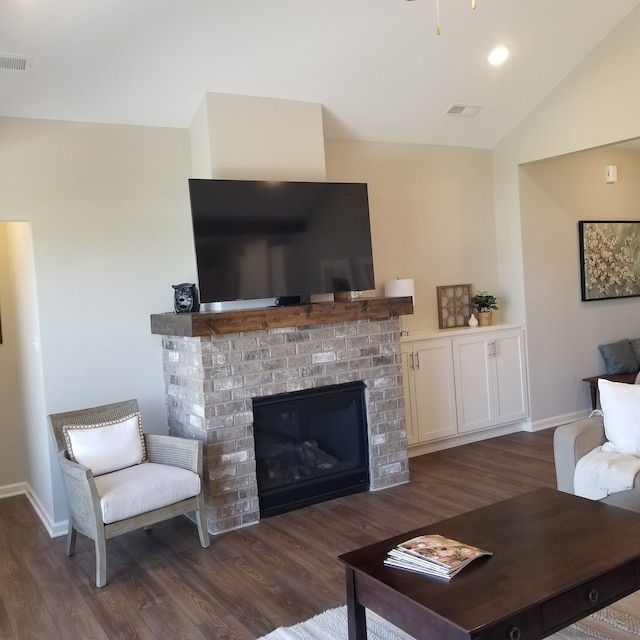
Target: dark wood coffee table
556,559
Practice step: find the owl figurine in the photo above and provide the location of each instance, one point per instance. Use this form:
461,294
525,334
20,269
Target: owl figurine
185,298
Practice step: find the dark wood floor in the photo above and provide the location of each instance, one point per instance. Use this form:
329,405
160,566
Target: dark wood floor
162,585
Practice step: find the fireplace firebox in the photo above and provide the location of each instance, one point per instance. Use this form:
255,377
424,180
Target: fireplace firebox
310,446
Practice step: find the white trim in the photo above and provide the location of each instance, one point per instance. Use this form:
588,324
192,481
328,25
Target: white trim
459,331
477,436
54,529
10,490
467,438
556,421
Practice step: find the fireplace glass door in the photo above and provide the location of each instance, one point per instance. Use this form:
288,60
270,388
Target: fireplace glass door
311,446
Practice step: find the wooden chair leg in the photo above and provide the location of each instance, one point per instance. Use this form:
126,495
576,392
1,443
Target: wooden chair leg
201,520
71,539
101,559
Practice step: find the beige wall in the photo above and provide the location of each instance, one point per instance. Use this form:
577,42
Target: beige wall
110,226
27,461
431,217
594,106
109,214
110,229
13,436
555,195
250,138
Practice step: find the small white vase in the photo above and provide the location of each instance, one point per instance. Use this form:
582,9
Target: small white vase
473,321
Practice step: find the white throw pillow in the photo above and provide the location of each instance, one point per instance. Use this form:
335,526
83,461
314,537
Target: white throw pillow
620,404
108,446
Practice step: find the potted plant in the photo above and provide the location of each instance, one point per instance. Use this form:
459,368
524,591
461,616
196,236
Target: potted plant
484,303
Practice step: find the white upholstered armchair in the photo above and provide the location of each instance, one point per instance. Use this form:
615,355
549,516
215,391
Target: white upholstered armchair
118,479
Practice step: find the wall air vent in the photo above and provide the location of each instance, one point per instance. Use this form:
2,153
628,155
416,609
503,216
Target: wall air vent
463,110
14,62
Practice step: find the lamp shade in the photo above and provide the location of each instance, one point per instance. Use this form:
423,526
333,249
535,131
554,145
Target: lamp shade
398,288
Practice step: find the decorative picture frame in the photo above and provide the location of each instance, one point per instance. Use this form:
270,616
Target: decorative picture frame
609,255
454,305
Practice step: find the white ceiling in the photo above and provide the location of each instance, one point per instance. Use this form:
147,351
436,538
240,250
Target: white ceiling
377,66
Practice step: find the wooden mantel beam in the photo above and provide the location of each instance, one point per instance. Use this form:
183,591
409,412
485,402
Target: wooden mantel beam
194,325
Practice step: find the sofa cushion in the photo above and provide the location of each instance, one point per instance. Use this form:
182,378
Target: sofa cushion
618,357
144,487
620,404
107,446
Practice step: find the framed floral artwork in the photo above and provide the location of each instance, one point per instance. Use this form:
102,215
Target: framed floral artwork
609,259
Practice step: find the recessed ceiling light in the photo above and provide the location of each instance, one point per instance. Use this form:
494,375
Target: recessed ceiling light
498,55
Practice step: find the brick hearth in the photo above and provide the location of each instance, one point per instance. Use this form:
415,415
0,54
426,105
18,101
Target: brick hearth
210,381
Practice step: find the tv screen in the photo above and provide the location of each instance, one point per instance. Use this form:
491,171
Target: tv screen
258,239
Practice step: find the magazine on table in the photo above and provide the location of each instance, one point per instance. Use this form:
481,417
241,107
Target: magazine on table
433,554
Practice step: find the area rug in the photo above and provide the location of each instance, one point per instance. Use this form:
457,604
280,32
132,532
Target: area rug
620,621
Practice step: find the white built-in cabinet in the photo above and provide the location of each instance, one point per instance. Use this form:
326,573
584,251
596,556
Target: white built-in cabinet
464,381
428,365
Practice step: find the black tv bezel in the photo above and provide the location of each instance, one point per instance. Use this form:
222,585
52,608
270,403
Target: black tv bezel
360,268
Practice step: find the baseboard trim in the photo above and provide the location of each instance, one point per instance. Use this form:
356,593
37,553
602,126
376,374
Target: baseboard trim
556,421
54,529
10,490
467,438
470,438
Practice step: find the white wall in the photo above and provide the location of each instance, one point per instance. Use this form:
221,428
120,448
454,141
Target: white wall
595,105
110,222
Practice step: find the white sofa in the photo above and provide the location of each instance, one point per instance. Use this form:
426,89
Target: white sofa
573,441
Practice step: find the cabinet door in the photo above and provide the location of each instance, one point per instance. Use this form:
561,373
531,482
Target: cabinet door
474,377
434,389
408,383
511,392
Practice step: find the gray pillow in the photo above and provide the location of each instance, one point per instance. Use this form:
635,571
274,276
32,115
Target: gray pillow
635,349
618,357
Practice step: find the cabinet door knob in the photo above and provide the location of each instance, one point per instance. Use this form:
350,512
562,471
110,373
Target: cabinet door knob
417,360
593,596
514,634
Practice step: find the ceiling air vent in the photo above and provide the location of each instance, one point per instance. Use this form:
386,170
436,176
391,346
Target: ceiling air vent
463,110
14,62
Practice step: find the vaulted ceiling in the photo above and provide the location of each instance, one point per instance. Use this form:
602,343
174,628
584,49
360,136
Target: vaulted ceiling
377,66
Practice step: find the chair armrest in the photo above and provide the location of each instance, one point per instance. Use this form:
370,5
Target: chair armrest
571,442
82,495
176,452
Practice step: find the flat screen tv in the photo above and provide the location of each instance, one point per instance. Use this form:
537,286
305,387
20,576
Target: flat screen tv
259,239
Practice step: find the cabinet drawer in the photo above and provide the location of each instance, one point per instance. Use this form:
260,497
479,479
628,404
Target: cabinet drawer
585,599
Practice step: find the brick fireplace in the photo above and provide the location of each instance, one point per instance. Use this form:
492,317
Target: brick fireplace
216,363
